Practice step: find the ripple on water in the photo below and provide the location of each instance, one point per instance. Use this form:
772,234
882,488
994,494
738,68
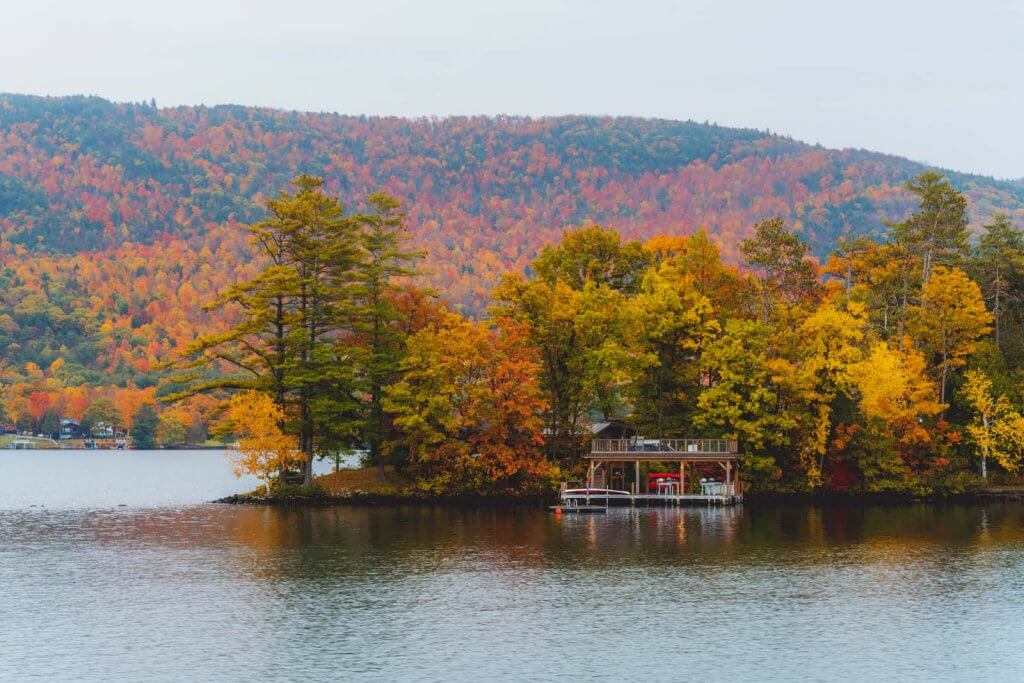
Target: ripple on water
209,592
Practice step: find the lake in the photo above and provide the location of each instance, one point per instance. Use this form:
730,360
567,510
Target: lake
113,566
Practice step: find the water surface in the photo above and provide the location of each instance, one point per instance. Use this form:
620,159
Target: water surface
180,589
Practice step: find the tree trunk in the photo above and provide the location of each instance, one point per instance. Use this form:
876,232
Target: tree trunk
376,428
306,443
942,389
903,307
984,450
995,306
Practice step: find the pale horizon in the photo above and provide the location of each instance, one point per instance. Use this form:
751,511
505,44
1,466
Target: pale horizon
923,81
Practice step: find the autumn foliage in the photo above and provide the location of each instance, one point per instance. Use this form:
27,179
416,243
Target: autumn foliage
263,449
715,306
468,408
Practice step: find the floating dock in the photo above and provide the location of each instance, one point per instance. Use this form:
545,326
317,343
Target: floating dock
580,509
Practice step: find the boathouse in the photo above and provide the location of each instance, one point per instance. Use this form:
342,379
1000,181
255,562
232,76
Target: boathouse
659,471
70,429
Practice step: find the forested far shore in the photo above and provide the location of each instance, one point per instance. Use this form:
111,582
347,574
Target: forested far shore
896,367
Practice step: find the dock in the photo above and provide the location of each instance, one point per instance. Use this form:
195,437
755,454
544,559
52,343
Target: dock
579,509
639,471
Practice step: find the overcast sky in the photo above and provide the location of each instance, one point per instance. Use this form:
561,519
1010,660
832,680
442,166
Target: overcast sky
937,81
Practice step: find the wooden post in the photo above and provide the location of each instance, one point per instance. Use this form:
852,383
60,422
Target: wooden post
682,477
637,475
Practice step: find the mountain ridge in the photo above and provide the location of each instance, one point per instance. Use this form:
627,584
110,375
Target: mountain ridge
118,221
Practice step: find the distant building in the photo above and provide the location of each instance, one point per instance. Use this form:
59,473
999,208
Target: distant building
69,429
103,431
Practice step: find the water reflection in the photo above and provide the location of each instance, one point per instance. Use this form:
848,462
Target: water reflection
217,592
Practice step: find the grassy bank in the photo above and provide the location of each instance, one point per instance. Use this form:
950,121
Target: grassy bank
364,486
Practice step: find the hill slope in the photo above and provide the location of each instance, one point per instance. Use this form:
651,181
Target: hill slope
115,219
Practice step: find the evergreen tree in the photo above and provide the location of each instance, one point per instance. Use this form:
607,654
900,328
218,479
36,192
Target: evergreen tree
937,232
999,268
385,259
144,426
324,369
780,258
294,336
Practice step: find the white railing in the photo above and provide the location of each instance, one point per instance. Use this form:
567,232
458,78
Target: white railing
694,446
708,489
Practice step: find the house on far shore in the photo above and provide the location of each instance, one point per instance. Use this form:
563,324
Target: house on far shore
69,429
104,431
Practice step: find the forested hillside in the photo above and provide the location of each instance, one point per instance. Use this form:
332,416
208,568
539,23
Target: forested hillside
119,221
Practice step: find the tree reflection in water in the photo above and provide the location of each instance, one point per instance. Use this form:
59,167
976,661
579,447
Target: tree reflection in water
423,592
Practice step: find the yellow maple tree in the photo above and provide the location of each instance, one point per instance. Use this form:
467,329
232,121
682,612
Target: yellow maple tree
894,388
998,428
263,448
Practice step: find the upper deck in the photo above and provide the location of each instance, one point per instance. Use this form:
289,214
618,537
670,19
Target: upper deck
637,448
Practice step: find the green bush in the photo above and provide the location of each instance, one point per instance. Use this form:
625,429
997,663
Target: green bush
298,492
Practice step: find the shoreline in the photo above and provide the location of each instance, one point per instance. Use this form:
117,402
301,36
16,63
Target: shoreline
762,500
380,499
365,487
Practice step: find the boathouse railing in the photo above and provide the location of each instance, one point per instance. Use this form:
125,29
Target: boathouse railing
694,446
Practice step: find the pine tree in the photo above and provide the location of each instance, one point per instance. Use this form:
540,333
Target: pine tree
780,258
385,260
321,247
144,426
999,265
937,232
298,315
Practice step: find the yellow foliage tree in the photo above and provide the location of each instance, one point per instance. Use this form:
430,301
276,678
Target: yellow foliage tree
673,324
998,428
894,388
830,345
263,449
950,320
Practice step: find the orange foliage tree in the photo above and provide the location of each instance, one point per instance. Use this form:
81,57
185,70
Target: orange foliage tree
469,408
